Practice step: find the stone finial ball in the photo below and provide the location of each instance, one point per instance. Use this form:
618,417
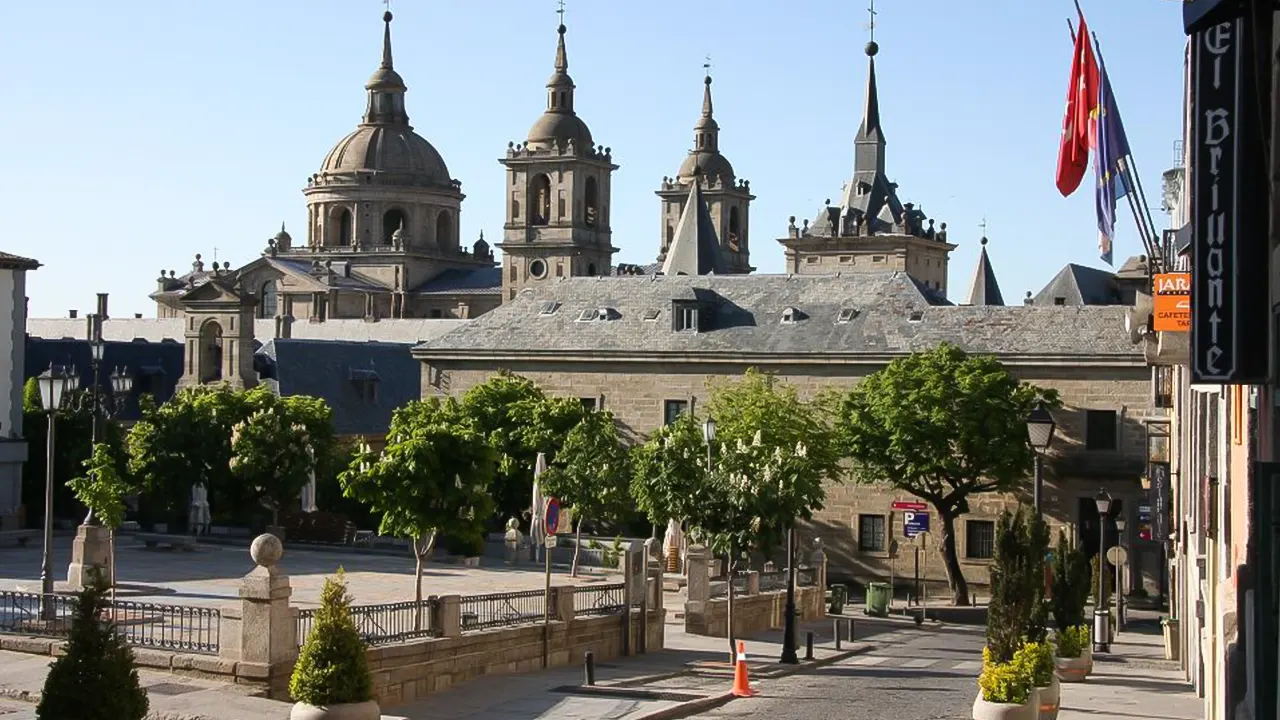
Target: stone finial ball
266,550
872,48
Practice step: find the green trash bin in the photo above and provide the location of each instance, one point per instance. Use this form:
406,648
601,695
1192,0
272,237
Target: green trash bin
839,596
877,599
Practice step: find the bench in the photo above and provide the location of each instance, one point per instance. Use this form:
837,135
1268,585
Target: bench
19,537
186,543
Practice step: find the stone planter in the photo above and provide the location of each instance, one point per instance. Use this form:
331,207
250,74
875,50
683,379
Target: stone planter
1172,639
1029,710
343,711
1088,658
1050,699
1071,670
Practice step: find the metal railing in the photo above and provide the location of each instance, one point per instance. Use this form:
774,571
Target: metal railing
771,581
501,609
170,627
383,623
600,600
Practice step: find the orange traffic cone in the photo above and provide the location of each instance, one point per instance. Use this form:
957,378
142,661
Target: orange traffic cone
741,685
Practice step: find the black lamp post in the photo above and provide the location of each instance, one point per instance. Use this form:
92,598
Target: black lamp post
96,347
54,384
789,626
1120,574
1040,427
1101,609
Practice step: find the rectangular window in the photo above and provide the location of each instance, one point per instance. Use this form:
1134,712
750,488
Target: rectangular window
979,539
1100,429
846,259
588,404
871,533
684,316
673,409
437,313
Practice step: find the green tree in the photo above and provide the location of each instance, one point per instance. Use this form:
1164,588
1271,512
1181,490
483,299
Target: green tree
102,489
518,421
95,678
431,479
332,667
31,402
73,446
1070,584
592,473
271,454
669,472
1013,570
942,425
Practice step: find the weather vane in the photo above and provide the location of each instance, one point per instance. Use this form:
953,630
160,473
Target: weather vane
560,12
983,225
387,5
707,66
872,26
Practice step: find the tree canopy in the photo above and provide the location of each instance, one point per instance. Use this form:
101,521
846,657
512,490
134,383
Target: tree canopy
271,455
942,425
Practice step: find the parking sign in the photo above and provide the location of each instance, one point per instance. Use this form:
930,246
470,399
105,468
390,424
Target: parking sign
914,522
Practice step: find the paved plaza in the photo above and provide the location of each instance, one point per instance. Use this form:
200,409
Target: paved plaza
211,574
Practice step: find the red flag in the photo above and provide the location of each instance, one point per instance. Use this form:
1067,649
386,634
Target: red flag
1078,133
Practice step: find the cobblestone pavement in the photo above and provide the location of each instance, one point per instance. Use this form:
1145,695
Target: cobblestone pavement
211,575
925,673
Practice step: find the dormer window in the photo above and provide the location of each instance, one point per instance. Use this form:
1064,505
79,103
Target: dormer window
651,315
916,316
549,308
792,315
847,315
684,316
599,313
365,383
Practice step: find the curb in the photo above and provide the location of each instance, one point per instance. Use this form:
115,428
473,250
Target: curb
692,707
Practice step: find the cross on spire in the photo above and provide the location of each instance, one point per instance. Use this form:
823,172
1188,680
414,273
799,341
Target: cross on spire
559,11
872,26
387,4
983,225
707,66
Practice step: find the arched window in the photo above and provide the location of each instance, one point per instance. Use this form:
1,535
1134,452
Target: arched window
393,220
267,303
340,230
540,205
210,352
591,269
735,229
592,202
444,230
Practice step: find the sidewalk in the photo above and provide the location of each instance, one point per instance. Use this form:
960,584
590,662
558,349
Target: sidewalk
1133,681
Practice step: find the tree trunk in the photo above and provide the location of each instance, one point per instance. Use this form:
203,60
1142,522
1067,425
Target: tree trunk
733,650
419,552
951,560
577,548
111,553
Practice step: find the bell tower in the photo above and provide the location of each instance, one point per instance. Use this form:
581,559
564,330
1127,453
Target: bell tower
558,189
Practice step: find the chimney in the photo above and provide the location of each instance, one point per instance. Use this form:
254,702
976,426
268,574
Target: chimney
73,314
137,316
102,306
284,327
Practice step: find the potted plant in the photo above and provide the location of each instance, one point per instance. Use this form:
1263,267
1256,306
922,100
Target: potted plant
1071,576
331,679
1038,657
1006,690
1036,654
1071,663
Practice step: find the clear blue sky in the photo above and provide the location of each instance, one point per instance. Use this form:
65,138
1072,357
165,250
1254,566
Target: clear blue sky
137,134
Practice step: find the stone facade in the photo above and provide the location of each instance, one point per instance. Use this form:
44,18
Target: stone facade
13,325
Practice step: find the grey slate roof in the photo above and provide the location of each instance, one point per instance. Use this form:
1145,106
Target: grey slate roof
154,366
331,369
459,281
985,290
1079,285
695,249
409,330
891,316
9,261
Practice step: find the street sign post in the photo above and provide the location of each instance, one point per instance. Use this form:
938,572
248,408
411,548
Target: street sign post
551,523
551,518
914,522
907,505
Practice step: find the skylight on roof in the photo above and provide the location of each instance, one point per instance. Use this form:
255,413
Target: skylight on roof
847,315
549,308
650,315
916,316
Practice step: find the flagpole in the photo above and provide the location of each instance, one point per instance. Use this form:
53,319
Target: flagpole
1137,205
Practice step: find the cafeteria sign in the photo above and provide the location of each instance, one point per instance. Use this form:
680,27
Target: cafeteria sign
1172,302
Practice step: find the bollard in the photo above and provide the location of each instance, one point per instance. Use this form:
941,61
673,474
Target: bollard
850,629
835,629
808,646
589,667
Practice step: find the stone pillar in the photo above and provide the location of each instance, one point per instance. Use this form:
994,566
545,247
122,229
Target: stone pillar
699,573
753,582
819,561
448,618
260,633
562,603
91,549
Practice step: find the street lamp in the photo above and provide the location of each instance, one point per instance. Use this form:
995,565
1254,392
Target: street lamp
53,387
1040,427
121,382
1120,584
1101,614
709,434
97,347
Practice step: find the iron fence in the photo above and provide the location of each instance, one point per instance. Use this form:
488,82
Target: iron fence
383,623
600,600
170,627
500,609
774,580
806,576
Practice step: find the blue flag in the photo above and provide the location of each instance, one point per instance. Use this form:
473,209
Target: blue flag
1111,162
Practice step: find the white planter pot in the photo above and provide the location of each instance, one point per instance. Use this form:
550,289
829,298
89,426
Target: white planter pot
1050,698
343,711
1029,710
1071,670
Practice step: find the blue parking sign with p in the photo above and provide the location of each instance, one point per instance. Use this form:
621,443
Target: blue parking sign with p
914,522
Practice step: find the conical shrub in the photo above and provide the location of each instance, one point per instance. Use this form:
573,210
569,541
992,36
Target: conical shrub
96,679
332,667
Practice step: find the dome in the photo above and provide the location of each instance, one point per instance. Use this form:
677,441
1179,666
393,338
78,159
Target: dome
713,164
388,149
558,128
385,78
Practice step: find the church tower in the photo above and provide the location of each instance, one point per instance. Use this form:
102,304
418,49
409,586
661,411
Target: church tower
558,186
728,199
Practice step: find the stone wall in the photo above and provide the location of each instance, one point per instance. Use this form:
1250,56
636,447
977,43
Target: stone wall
752,613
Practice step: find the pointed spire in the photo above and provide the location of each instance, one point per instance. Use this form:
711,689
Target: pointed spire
985,290
695,248
562,57
560,85
386,42
871,129
706,134
706,96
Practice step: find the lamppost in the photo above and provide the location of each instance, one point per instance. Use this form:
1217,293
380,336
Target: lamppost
1120,584
709,434
789,627
96,348
1101,613
1040,427
53,387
